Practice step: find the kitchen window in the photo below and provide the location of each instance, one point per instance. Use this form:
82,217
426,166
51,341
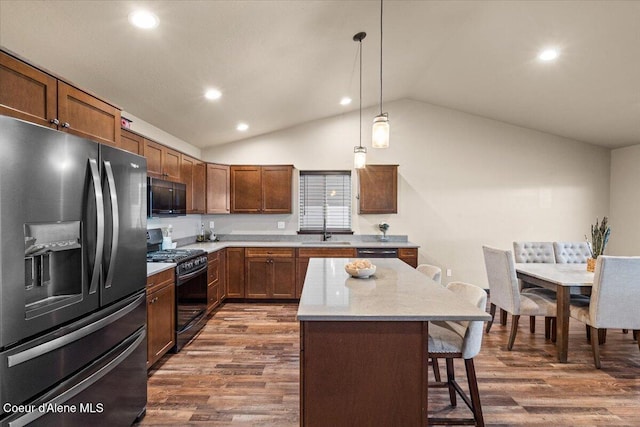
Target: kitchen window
325,201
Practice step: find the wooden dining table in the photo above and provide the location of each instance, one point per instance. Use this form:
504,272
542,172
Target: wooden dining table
561,278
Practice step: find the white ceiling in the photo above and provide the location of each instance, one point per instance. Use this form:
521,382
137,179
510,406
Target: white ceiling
281,63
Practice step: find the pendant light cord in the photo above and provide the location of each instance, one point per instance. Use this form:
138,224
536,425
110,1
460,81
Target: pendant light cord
381,2
360,53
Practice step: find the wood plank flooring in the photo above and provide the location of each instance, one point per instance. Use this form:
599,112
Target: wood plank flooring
243,370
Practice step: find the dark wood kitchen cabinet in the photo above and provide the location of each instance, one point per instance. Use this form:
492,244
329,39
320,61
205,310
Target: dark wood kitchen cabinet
213,281
222,274
270,273
261,189
131,142
217,189
161,321
235,273
378,189
303,261
162,161
409,255
193,175
31,94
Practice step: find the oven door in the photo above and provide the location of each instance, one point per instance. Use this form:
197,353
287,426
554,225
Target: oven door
191,305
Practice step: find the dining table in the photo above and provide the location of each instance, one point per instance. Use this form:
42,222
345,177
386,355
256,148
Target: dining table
565,280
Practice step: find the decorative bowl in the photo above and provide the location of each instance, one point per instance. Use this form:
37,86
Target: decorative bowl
360,273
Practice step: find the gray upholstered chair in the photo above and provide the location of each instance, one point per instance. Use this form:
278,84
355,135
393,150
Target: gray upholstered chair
432,271
505,293
571,252
615,298
540,252
451,340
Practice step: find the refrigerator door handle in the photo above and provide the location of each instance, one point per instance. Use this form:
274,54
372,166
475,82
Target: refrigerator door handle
115,223
95,275
82,385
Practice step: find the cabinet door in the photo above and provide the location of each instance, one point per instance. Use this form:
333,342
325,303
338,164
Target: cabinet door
378,189
26,92
409,255
217,189
131,142
160,322
246,189
84,115
222,274
283,282
187,166
199,187
171,164
235,273
153,154
258,277
276,189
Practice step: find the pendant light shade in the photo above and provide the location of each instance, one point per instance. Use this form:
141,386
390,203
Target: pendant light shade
360,152
380,131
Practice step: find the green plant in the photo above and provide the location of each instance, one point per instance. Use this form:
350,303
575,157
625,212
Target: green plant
600,233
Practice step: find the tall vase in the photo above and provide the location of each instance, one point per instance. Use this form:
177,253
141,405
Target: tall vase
591,264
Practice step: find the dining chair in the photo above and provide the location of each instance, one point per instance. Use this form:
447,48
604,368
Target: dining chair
462,340
571,252
432,271
615,299
505,293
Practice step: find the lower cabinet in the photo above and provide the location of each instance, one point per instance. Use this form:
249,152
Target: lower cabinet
306,253
213,281
161,320
409,255
270,273
234,273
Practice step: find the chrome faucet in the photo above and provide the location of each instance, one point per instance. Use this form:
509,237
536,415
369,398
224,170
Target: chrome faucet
325,235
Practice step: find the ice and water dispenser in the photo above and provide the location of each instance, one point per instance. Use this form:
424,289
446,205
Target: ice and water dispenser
52,266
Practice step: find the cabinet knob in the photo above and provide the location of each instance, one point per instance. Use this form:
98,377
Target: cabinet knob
66,125
54,122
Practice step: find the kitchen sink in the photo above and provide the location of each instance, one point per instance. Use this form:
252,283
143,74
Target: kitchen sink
327,243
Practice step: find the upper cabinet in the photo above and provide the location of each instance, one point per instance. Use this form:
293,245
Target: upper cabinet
30,94
261,189
131,142
192,173
378,189
217,189
162,161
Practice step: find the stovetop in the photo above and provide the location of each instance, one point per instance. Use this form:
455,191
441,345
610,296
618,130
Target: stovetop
173,255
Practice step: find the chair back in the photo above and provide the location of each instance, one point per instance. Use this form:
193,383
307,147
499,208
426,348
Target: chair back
432,271
538,252
501,275
615,296
571,252
473,336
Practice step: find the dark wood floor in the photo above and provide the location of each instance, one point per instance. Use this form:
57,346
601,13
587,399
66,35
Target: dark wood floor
243,370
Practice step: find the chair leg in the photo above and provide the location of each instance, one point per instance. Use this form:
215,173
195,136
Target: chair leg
588,333
514,329
532,324
474,392
503,317
492,312
602,336
595,345
635,335
547,327
554,329
436,369
451,378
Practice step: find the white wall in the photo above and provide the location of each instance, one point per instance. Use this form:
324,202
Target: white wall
625,202
464,180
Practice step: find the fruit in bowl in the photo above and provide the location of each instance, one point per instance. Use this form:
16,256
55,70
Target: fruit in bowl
360,268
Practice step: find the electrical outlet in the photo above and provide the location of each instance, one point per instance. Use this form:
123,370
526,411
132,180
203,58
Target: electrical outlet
211,225
448,272
281,225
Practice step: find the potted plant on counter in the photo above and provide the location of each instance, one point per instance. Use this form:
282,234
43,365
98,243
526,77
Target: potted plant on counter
383,226
600,233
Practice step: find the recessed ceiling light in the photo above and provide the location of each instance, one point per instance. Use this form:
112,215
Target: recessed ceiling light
345,101
212,94
548,55
143,19
242,127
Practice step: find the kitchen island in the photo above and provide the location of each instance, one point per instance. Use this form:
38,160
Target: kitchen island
363,343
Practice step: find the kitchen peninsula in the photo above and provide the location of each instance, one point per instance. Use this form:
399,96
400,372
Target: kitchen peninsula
363,343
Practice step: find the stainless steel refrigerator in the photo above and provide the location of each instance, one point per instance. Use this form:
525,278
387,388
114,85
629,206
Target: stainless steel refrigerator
72,280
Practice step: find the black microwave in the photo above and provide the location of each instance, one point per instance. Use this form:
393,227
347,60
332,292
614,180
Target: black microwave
166,197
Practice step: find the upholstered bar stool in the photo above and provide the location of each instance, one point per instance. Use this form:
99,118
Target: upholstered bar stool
463,340
434,273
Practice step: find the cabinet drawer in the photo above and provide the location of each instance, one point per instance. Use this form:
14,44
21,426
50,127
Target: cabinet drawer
269,252
156,281
326,253
213,272
213,256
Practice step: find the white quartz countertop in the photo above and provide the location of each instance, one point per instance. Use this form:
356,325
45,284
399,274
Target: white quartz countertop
215,246
396,292
157,267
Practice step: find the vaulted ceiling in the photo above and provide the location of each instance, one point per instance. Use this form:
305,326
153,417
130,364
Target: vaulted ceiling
281,63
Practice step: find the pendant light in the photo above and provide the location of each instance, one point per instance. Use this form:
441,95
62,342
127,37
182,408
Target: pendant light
380,131
360,152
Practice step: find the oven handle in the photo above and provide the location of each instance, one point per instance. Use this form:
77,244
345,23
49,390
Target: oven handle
194,322
181,279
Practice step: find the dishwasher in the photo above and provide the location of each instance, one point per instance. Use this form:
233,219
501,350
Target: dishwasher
377,252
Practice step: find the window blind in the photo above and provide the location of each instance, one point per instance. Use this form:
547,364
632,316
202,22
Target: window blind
325,201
